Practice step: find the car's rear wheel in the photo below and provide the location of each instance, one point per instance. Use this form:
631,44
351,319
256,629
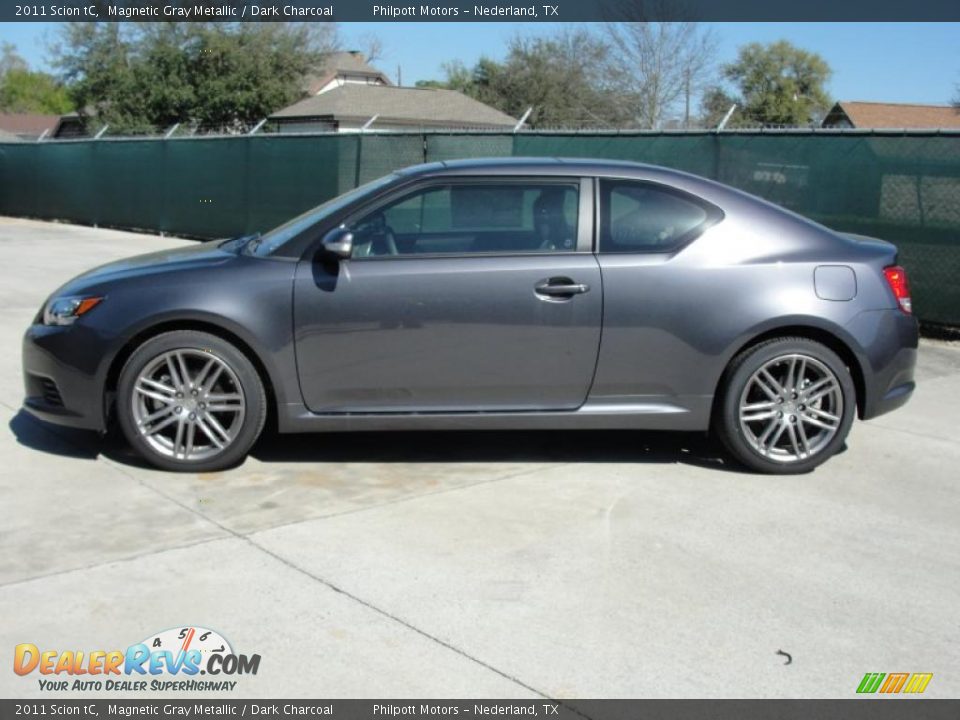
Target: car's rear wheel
190,401
786,406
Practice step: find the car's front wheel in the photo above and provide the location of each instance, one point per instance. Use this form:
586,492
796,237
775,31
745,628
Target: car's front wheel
786,406
190,401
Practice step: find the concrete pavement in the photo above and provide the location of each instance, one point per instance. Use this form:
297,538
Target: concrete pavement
583,565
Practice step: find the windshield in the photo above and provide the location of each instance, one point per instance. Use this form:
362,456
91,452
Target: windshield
272,240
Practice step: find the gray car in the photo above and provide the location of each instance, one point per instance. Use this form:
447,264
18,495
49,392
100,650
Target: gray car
490,294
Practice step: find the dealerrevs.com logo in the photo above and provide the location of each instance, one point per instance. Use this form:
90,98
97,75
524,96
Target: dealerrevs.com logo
171,660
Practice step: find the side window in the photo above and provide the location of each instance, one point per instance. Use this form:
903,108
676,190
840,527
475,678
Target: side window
643,217
472,218
420,211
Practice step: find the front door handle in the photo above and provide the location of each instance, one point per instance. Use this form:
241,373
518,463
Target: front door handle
560,287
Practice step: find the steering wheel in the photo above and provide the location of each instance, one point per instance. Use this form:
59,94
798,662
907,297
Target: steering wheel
376,238
389,241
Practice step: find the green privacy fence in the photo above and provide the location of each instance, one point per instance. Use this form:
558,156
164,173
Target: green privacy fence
901,186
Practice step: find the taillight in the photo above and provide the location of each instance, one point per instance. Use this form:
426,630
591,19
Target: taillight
897,280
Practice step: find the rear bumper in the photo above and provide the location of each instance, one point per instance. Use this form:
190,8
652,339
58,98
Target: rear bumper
889,339
893,399
61,378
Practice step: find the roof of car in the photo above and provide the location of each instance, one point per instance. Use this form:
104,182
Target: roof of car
724,196
536,165
583,167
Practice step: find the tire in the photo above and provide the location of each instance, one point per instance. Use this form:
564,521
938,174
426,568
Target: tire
190,401
773,423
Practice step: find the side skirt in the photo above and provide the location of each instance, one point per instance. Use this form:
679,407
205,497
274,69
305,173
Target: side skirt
691,413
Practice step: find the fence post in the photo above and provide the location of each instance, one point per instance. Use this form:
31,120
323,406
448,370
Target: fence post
164,189
716,156
97,175
359,158
247,140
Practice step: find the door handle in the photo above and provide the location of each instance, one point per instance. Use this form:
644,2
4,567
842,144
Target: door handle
560,287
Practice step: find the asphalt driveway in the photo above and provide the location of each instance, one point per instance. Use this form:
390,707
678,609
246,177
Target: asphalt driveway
553,564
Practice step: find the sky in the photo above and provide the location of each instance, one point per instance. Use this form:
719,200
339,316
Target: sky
883,62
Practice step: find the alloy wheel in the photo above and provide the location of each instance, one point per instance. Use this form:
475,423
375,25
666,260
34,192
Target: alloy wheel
188,404
791,408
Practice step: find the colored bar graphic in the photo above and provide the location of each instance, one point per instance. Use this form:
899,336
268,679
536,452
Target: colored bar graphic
918,682
894,683
870,682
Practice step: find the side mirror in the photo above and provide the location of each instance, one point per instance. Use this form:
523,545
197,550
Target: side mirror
339,242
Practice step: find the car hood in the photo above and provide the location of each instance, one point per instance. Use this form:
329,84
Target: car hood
196,256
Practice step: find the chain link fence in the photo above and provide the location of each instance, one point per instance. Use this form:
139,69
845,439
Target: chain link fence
900,186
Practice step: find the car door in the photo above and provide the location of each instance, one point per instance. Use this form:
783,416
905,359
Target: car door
460,295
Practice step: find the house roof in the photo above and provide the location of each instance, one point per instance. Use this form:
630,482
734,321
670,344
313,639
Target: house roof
409,106
896,115
27,123
351,62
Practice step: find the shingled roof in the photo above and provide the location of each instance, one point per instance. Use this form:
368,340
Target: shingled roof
892,115
351,62
28,124
423,107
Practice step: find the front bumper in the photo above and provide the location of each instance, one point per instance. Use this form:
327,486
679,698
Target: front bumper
63,378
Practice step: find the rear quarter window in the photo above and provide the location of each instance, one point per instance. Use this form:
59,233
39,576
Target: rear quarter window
638,217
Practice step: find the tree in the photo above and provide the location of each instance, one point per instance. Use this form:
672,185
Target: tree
714,107
372,47
656,65
147,76
780,84
474,82
633,74
561,77
27,91
10,59
95,63
243,74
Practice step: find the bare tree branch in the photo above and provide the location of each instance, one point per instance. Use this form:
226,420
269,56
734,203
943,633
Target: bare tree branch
372,48
655,65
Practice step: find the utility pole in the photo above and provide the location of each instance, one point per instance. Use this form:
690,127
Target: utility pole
399,76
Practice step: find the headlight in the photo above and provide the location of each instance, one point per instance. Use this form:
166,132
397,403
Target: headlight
65,310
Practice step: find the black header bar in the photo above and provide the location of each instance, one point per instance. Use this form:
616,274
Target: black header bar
481,10
894,708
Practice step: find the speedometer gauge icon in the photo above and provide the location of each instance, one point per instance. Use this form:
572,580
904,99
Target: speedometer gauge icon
183,639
